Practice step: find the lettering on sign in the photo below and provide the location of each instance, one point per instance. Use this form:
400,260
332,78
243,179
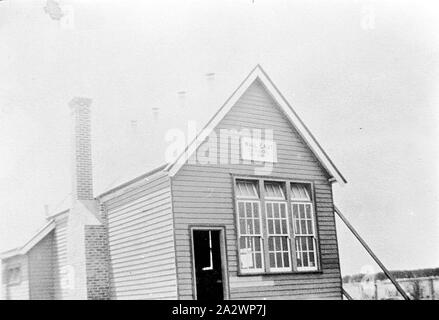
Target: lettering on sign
258,150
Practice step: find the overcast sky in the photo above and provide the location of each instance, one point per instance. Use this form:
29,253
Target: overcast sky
363,75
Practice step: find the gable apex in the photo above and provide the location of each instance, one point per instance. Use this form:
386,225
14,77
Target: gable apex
36,238
258,74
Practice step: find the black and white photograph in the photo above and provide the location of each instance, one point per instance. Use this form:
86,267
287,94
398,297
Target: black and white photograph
216,150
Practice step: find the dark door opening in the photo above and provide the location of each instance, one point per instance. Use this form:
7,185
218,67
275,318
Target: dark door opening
208,273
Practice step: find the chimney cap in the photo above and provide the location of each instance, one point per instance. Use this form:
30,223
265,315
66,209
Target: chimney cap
80,102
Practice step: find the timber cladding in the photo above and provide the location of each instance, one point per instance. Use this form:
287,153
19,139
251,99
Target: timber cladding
18,290
41,281
175,232
203,195
141,241
59,256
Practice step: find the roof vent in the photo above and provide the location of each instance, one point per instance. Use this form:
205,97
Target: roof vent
155,113
182,98
133,124
210,76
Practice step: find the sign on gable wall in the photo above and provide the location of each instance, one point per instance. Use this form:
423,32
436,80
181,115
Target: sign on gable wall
258,150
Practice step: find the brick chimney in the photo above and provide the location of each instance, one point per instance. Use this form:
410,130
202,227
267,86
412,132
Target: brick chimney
87,250
82,175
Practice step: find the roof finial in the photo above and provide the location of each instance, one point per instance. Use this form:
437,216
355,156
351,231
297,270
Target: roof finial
46,211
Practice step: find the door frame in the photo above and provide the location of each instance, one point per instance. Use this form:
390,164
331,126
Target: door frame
223,251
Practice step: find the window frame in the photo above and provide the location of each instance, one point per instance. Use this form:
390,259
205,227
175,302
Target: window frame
314,235
288,236
239,234
11,281
264,226
268,199
258,193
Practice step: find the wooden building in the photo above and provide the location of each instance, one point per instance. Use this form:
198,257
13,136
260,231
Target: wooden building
245,211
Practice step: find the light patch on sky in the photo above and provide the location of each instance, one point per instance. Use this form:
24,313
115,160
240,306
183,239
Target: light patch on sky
363,75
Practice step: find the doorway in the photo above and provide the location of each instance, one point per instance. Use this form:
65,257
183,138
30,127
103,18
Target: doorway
208,264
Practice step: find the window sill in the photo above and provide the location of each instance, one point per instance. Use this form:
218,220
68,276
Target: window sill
279,273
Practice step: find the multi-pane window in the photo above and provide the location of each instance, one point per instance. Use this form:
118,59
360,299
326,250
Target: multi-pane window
277,227
304,227
274,191
247,189
273,235
250,230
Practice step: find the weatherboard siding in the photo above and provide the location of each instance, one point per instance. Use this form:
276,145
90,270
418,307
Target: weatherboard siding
141,240
41,281
20,290
60,259
202,195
